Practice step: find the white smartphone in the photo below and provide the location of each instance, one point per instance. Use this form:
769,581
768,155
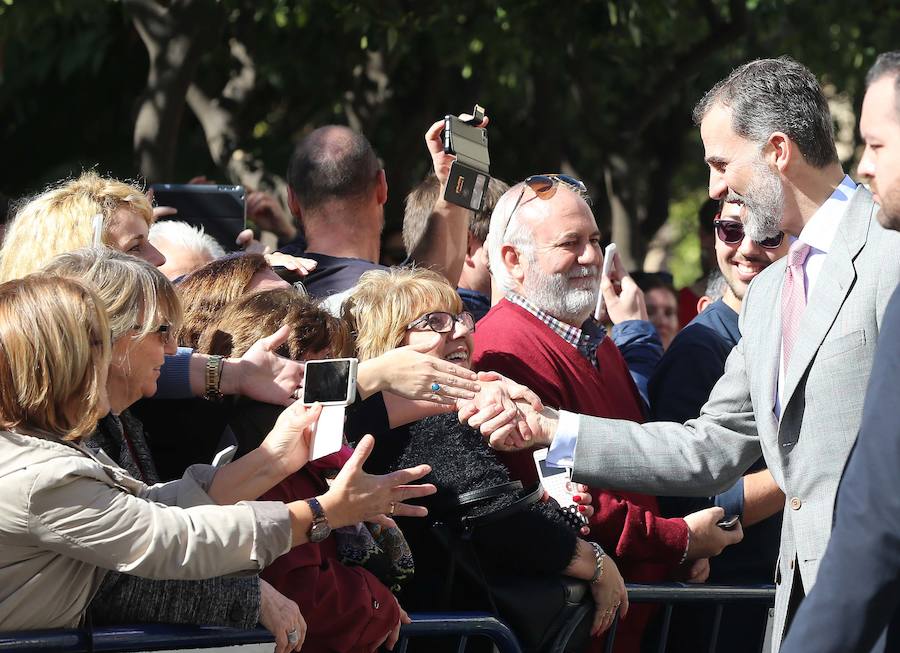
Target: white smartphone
608,254
331,382
225,456
553,478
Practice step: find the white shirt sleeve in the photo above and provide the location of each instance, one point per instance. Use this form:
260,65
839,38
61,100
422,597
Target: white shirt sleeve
562,450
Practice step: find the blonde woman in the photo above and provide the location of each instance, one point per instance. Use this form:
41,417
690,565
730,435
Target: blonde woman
68,515
94,210
398,307
89,210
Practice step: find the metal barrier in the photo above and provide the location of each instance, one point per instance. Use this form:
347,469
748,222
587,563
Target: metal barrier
464,626
671,594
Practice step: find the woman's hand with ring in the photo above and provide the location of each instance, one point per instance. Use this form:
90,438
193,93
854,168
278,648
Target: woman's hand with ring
609,596
281,617
356,496
412,374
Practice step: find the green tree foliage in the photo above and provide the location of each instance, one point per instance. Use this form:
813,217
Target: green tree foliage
602,90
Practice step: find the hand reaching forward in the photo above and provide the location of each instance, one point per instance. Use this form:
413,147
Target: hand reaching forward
356,496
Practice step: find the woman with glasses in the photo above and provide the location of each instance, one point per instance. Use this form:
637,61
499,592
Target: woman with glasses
69,514
398,307
143,311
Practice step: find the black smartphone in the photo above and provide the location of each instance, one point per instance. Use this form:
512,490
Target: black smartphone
220,209
470,173
728,522
331,382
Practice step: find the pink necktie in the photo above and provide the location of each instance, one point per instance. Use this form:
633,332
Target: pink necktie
793,298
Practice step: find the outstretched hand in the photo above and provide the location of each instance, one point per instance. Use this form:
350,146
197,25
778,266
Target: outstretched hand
356,496
264,375
411,373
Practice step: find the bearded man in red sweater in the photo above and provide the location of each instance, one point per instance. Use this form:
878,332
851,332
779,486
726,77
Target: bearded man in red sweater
544,250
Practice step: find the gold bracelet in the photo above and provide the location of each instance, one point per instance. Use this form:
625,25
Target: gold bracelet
213,378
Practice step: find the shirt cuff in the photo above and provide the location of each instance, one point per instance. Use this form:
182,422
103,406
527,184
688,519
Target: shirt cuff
562,450
175,376
732,500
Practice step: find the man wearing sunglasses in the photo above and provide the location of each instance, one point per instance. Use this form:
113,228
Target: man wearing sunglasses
680,386
544,252
793,387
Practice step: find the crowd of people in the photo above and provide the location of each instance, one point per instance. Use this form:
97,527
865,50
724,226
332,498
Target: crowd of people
133,350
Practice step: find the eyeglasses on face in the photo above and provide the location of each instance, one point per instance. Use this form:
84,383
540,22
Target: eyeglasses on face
731,232
544,187
164,331
443,322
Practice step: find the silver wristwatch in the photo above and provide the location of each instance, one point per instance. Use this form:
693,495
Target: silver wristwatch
320,528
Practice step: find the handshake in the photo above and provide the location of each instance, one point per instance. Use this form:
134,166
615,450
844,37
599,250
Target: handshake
509,414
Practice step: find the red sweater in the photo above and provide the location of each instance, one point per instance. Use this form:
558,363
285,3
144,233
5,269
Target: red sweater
512,341
345,608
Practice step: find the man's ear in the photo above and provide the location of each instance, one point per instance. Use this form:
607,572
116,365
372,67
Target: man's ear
472,246
294,204
512,259
780,150
381,188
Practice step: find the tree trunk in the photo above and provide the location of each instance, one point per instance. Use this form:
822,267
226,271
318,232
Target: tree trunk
175,37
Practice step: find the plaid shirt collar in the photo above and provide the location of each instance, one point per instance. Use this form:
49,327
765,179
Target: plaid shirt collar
584,342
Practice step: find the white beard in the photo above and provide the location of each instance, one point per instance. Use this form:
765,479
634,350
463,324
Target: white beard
553,294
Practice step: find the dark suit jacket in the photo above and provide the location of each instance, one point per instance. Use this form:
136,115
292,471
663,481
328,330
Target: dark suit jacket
857,594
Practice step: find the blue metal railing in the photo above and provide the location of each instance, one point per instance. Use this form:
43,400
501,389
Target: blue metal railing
464,626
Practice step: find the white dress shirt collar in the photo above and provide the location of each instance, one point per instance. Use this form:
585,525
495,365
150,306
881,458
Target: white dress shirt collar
819,232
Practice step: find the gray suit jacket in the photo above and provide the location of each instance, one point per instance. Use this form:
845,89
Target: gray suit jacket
821,410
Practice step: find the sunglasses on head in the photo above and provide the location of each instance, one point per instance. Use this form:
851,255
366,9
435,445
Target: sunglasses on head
731,232
443,322
544,187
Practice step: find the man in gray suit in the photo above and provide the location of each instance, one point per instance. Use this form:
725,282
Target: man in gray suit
855,606
768,138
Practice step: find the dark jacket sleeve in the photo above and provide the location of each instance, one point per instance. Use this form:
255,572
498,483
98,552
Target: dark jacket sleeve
857,591
642,350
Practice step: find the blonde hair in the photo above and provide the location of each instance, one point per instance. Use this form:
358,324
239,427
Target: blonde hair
62,219
54,350
313,330
384,302
136,293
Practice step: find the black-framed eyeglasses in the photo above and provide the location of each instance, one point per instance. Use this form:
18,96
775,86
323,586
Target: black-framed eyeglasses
731,232
544,187
443,322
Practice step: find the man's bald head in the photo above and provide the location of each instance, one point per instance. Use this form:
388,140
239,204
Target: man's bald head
332,163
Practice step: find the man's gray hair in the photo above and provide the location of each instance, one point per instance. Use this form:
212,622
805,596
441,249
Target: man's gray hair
769,95
506,231
191,238
887,63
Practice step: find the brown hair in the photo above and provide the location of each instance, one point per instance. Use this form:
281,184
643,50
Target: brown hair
206,291
384,302
54,351
257,315
419,206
